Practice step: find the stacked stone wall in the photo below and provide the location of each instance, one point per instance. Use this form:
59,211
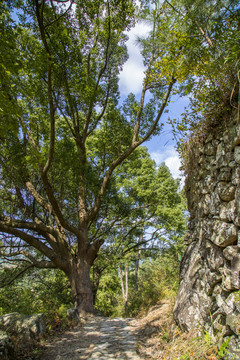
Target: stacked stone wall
209,293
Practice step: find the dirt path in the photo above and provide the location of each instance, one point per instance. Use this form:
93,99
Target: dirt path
99,338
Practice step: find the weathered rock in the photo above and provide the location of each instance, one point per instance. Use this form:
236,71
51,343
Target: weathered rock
230,303
237,154
187,310
233,351
220,151
227,211
230,251
226,191
206,205
214,259
209,149
233,321
225,159
6,346
28,328
215,203
235,271
231,136
237,306
209,293
224,234
235,175
236,135
225,174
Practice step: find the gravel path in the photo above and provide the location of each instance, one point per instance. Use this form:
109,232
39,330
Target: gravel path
99,338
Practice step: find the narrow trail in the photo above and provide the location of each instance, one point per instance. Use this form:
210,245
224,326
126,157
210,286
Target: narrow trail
99,338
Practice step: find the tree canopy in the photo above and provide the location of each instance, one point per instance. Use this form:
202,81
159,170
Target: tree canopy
64,136
71,165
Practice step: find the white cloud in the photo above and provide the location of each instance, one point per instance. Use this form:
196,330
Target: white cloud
170,157
131,78
173,163
157,157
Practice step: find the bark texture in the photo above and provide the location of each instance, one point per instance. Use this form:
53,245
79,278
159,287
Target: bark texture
81,285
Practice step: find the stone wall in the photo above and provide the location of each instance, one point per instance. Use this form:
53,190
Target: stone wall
209,293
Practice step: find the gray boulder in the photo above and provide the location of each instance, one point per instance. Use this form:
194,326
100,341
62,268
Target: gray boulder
28,328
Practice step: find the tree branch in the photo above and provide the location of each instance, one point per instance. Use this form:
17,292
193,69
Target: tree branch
41,201
101,72
56,208
128,152
161,110
39,228
29,239
62,15
203,32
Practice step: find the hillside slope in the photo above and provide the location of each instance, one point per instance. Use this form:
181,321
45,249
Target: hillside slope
160,338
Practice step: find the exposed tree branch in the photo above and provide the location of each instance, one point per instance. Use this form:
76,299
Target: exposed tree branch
29,239
56,208
139,116
161,110
128,151
41,201
62,15
101,72
40,228
99,117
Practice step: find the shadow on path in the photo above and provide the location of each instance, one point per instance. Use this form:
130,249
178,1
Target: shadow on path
99,338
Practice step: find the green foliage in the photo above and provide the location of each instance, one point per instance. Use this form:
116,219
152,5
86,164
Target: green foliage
73,174
207,338
154,219
107,301
158,279
223,348
197,42
39,291
214,82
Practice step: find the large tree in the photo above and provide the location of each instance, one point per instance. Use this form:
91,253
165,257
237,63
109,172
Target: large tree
62,132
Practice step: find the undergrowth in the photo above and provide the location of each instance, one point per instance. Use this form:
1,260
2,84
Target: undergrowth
169,342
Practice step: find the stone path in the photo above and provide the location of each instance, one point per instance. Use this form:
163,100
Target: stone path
99,338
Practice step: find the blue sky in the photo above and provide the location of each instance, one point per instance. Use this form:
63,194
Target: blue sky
161,147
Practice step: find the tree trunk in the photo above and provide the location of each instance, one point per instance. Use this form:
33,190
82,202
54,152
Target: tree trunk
79,277
137,263
124,289
96,280
122,282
